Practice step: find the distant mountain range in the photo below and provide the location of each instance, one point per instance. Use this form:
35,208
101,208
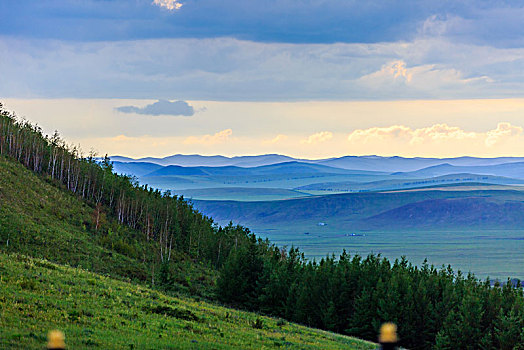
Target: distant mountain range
369,163
212,161
272,164
360,192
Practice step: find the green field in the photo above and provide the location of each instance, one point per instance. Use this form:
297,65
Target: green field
97,312
497,254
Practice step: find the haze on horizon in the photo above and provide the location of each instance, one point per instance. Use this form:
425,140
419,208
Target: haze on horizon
156,78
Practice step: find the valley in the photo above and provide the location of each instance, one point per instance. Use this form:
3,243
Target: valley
465,211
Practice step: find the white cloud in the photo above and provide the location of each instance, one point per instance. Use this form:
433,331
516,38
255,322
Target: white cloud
395,70
440,132
380,133
217,138
318,138
426,78
435,134
171,5
502,133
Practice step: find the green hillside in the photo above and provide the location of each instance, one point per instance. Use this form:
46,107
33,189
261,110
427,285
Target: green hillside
39,219
97,312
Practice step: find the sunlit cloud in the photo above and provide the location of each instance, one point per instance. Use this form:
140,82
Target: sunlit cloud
171,5
380,133
438,133
395,70
427,78
503,132
277,139
217,138
318,138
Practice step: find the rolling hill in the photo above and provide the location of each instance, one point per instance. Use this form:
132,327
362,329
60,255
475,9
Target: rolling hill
273,169
194,160
135,168
511,170
361,209
370,163
313,177
354,186
471,212
240,193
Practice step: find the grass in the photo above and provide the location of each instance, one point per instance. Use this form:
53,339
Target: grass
487,253
95,311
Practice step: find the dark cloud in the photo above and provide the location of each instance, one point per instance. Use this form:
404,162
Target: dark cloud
290,21
161,107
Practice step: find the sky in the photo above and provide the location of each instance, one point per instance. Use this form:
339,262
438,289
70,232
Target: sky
306,78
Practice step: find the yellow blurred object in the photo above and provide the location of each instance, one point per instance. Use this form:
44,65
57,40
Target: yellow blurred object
55,340
388,333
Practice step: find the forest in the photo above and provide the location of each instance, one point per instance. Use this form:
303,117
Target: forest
433,307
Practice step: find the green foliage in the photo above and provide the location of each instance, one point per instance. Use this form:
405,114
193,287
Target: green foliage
432,308
238,281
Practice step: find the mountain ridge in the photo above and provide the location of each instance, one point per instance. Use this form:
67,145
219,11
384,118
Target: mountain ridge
368,162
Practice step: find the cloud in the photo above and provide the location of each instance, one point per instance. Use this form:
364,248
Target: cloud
232,70
318,137
161,107
426,78
395,70
218,138
436,134
503,132
171,5
377,133
277,139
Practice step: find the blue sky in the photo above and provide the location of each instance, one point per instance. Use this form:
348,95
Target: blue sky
289,21
208,64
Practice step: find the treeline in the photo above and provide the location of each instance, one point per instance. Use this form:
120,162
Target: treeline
166,220
433,308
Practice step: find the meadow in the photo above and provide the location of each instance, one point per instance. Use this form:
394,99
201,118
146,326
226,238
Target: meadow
97,312
488,253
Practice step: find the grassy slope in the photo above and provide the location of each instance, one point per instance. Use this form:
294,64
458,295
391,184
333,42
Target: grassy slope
95,311
41,220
